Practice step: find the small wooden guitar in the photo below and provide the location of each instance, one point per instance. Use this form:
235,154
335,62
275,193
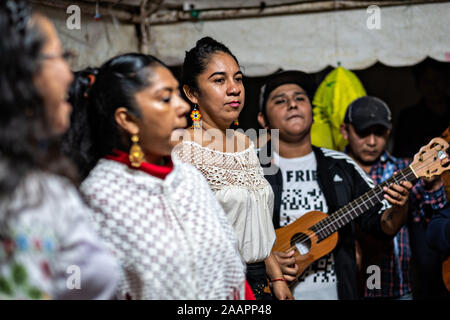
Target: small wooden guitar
314,234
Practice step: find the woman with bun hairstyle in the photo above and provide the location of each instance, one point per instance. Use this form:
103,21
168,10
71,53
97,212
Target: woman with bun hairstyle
212,81
48,246
170,246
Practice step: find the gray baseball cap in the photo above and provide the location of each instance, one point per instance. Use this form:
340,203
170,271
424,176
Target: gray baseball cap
368,111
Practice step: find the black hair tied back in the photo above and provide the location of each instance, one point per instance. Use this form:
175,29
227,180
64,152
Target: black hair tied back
197,59
95,95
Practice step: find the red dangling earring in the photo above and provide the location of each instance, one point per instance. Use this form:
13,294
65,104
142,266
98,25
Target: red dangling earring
196,116
236,122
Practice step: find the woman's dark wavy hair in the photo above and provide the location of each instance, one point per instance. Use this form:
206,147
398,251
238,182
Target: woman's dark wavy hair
94,132
197,59
25,141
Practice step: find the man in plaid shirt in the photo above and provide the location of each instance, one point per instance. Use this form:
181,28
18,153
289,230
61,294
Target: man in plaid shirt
367,127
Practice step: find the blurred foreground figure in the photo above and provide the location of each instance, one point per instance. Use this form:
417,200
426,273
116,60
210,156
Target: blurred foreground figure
48,249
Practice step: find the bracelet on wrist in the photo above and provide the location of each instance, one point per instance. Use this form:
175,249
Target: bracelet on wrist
277,279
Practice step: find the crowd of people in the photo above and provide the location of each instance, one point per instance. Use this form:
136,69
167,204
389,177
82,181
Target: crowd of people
99,172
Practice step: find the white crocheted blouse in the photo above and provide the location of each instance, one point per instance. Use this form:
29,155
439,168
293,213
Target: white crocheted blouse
238,182
171,236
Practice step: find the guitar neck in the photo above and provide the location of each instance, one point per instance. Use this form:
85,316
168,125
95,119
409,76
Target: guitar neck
357,207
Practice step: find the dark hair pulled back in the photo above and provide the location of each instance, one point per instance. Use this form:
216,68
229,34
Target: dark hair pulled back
94,132
197,59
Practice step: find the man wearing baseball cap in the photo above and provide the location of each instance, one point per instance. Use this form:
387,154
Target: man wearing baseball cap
366,127
309,178
366,115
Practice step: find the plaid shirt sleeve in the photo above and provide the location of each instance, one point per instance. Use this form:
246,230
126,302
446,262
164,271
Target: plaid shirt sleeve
419,198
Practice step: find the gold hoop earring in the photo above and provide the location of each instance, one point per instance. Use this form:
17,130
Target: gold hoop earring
136,155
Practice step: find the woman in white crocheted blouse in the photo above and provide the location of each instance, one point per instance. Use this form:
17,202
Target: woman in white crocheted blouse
212,81
48,246
170,244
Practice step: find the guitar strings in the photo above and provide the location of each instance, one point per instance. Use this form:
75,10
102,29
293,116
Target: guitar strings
306,236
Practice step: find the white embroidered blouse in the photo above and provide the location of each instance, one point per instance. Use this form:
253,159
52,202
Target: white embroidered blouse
48,246
171,236
238,182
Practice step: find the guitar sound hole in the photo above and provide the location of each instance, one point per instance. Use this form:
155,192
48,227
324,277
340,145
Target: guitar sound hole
302,242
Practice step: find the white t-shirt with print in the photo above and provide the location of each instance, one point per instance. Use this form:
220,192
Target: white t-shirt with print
301,194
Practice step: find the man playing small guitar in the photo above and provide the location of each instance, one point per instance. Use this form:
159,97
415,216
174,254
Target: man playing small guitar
313,178
366,127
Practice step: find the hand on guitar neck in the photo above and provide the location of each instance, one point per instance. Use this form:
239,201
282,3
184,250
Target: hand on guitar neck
314,234
398,195
395,217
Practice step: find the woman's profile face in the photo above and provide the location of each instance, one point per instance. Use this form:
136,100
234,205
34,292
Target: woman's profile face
53,78
163,114
221,93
